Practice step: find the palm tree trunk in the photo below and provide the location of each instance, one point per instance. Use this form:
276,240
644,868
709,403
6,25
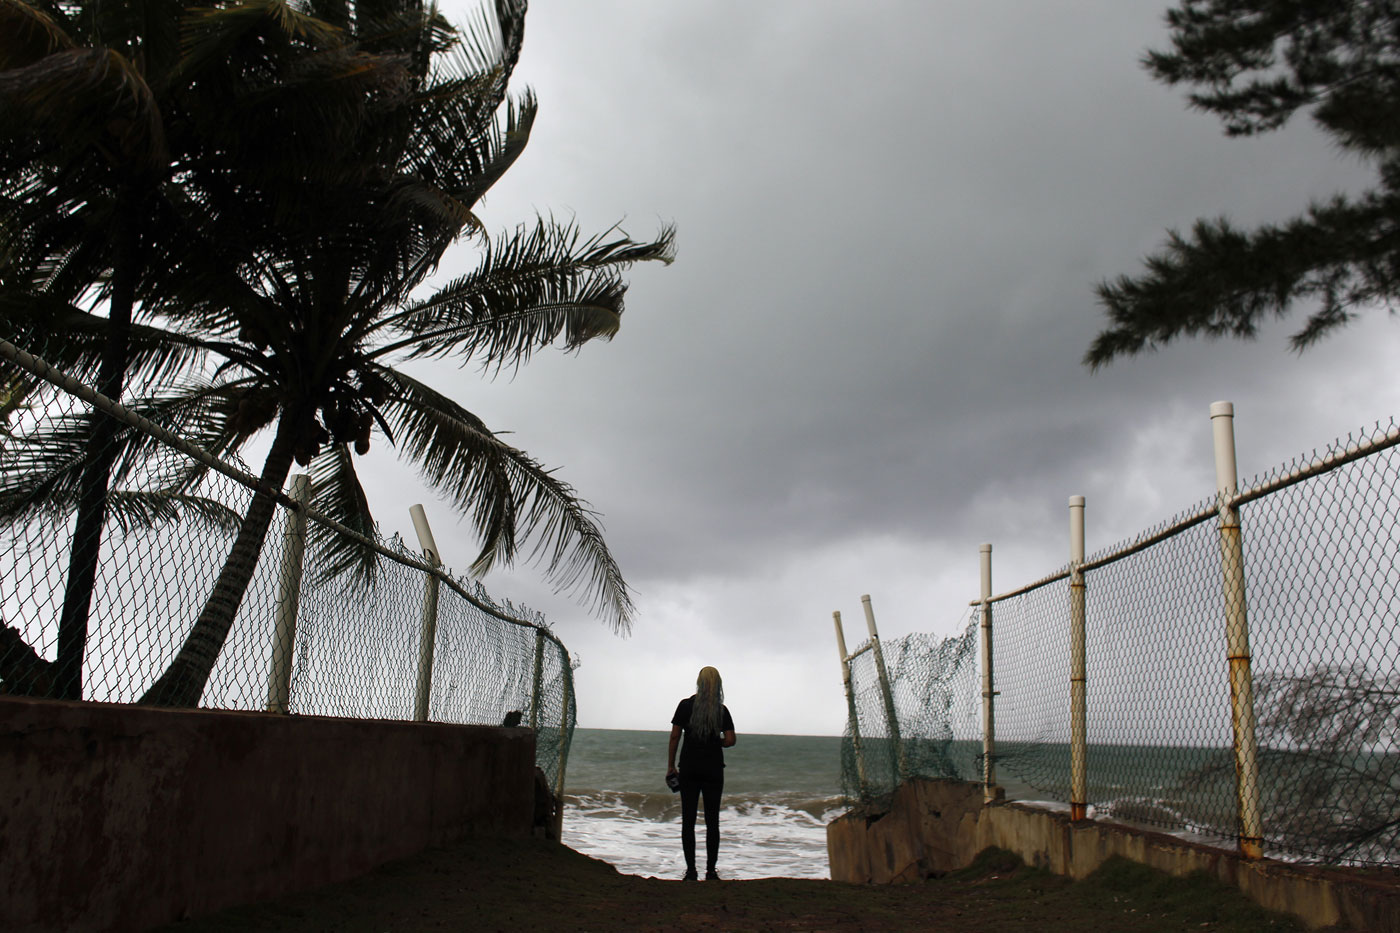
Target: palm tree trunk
183,682
100,454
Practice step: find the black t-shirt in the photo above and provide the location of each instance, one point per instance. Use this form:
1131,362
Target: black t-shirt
699,754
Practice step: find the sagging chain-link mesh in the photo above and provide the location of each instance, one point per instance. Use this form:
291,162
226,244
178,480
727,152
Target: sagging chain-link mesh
1321,541
933,686
870,752
356,646
357,649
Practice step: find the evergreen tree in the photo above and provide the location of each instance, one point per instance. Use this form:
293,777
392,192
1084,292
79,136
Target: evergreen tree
1255,64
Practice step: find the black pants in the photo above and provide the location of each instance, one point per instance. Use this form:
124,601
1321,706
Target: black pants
693,786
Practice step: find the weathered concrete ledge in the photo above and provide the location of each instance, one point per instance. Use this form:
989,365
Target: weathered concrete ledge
933,826
121,817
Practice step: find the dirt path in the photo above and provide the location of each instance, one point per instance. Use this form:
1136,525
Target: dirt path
534,886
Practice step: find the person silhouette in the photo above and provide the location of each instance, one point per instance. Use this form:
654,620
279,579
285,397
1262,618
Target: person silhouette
708,728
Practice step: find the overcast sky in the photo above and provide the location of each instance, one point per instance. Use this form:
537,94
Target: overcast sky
865,360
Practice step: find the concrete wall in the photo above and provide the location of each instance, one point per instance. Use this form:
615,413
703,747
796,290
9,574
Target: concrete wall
932,827
120,817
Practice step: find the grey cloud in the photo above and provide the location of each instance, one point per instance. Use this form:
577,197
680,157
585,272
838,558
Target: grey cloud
891,219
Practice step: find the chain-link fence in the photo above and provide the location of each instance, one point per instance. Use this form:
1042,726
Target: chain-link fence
312,635
1253,698
933,693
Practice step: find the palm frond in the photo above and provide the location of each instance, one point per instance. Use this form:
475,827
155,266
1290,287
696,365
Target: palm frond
495,41
337,493
214,33
316,107
489,43
28,34
87,98
541,285
447,137
449,157
421,221
467,158
53,239
39,473
219,293
134,510
508,496
42,467
72,339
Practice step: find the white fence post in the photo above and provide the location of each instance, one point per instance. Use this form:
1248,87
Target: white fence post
851,711
1078,728
989,771
1222,420
279,680
890,715
428,636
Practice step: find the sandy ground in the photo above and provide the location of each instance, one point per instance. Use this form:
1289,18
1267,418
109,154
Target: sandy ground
533,885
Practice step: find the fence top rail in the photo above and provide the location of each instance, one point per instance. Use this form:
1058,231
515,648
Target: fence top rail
860,651
1011,594
1337,458
1191,519
419,563
73,386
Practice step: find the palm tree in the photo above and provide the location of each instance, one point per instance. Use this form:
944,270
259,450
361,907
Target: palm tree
107,111
312,320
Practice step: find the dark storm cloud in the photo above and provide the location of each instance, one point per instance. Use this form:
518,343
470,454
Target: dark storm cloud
891,219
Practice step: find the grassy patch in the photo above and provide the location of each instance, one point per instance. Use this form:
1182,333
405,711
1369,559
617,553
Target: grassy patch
1196,899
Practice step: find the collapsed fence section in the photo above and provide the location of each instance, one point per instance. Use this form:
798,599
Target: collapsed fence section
333,622
911,710
1233,674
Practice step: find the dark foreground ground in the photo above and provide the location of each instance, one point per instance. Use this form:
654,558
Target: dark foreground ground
534,886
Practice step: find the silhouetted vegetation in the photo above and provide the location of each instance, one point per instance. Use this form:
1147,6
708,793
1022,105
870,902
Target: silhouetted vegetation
1255,64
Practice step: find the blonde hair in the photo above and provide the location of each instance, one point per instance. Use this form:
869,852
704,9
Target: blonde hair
706,714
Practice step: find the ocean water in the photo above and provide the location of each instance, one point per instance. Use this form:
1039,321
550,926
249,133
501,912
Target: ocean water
779,793
781,790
